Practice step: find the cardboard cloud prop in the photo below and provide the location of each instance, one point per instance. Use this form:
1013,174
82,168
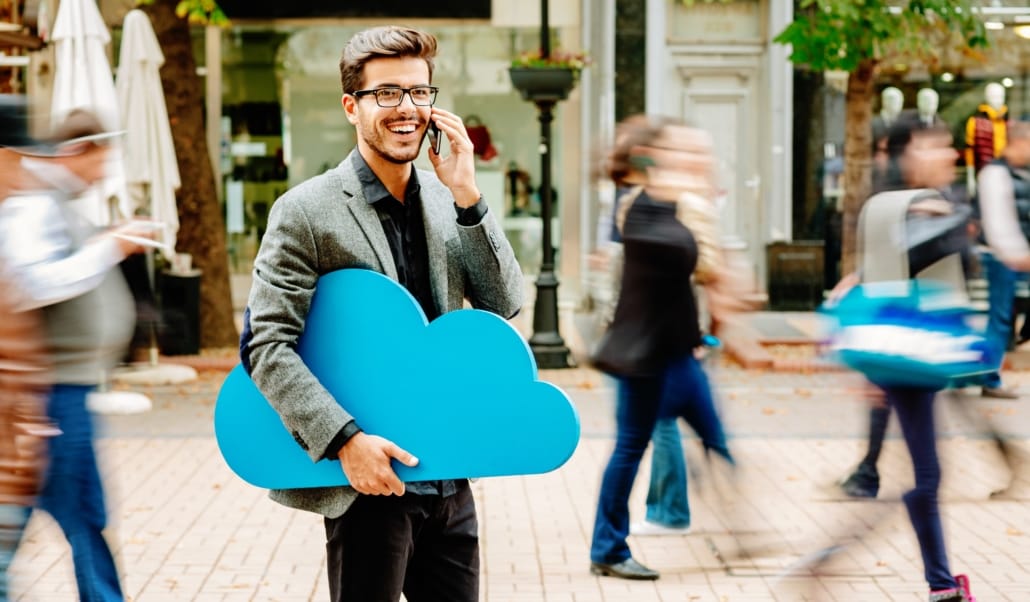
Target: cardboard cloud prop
461,393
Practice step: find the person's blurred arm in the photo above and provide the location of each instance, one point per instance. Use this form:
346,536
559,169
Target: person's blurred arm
999,219
42,258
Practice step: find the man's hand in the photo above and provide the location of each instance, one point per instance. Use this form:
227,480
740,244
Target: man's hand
457,170
366,462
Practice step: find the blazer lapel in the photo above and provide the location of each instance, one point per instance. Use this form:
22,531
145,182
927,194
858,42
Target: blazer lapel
367,218
437,218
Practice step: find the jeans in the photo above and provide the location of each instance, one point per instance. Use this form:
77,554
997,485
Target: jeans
74,496
667,502
13,519
424,546
914,407
681,389
687,394
1001,294
879,417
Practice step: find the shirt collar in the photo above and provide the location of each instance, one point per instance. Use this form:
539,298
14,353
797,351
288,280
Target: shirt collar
373,188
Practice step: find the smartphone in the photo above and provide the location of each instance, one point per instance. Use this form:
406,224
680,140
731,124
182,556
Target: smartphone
434,137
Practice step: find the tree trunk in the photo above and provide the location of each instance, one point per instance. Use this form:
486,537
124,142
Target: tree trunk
201,225
858,156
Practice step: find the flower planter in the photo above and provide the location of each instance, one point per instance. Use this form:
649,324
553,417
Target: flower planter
543,83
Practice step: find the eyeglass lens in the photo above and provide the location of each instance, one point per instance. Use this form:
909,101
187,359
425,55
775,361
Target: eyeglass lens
392,97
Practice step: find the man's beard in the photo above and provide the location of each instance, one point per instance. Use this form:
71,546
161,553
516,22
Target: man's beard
377,143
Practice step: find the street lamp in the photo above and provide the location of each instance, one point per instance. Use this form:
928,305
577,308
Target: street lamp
545,87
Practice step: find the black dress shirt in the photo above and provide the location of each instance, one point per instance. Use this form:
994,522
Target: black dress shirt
406,233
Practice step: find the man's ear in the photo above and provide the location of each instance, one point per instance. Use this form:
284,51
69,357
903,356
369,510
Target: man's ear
350,108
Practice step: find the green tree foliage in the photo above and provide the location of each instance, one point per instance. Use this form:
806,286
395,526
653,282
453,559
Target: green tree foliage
197,12
857,36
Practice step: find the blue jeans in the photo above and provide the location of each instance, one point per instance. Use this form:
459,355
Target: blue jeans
1001,294
678,390
73,494
13,519
914,408
667,501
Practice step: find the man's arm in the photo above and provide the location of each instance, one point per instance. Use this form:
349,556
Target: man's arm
494,279
999,219
42,258
285,275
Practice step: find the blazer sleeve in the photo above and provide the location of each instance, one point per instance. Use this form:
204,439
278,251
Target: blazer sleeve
493,276
285,274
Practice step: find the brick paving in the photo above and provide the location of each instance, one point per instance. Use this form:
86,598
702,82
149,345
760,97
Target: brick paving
186,529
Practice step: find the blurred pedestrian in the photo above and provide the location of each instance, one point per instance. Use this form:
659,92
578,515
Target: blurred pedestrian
651,342
433,233
62,266
918,157
925,159
1003,200
25,375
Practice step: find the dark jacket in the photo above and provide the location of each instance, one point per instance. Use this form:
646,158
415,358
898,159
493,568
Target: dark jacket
656,319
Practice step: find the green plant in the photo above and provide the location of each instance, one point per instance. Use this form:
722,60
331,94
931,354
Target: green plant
197,12
558,59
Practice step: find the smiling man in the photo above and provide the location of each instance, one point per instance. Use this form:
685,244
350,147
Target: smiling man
431,232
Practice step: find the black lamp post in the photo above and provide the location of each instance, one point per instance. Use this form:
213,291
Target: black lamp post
545,87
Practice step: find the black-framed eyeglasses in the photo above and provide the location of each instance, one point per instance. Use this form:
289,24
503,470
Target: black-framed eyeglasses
393,96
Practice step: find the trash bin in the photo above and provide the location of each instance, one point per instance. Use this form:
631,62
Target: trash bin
795,272
180,312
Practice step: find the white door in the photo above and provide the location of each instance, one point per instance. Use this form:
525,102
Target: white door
720,94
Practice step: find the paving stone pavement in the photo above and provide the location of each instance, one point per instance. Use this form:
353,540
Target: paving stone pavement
186,529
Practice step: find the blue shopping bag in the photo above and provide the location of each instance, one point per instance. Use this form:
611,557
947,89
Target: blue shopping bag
908,333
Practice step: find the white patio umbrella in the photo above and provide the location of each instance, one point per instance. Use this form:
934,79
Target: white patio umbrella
83,80
152,172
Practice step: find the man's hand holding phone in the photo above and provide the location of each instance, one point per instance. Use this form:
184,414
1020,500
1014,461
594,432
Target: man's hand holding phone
458,169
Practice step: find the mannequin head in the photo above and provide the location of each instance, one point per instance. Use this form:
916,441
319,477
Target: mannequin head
927,101
891,100
994,95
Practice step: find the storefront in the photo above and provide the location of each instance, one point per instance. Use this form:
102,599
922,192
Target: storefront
282,122
959,80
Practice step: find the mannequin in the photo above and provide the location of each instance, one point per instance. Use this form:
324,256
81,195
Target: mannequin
927,102
891,102
986,131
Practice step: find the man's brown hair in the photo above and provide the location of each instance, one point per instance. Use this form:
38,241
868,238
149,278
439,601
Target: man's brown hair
383,42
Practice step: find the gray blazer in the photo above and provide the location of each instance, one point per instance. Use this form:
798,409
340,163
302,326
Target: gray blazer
323,225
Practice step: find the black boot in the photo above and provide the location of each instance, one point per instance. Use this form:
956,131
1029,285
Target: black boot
864,482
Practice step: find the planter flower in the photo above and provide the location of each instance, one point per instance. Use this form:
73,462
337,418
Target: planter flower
548,78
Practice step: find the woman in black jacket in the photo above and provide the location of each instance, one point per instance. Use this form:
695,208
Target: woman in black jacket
655,331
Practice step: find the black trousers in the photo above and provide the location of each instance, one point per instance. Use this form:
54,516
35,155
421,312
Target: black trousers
426,546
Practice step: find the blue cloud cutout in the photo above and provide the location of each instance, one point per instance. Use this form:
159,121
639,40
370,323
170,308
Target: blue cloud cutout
461,394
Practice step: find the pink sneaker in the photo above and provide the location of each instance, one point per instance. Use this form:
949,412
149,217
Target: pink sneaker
963,583
954,594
